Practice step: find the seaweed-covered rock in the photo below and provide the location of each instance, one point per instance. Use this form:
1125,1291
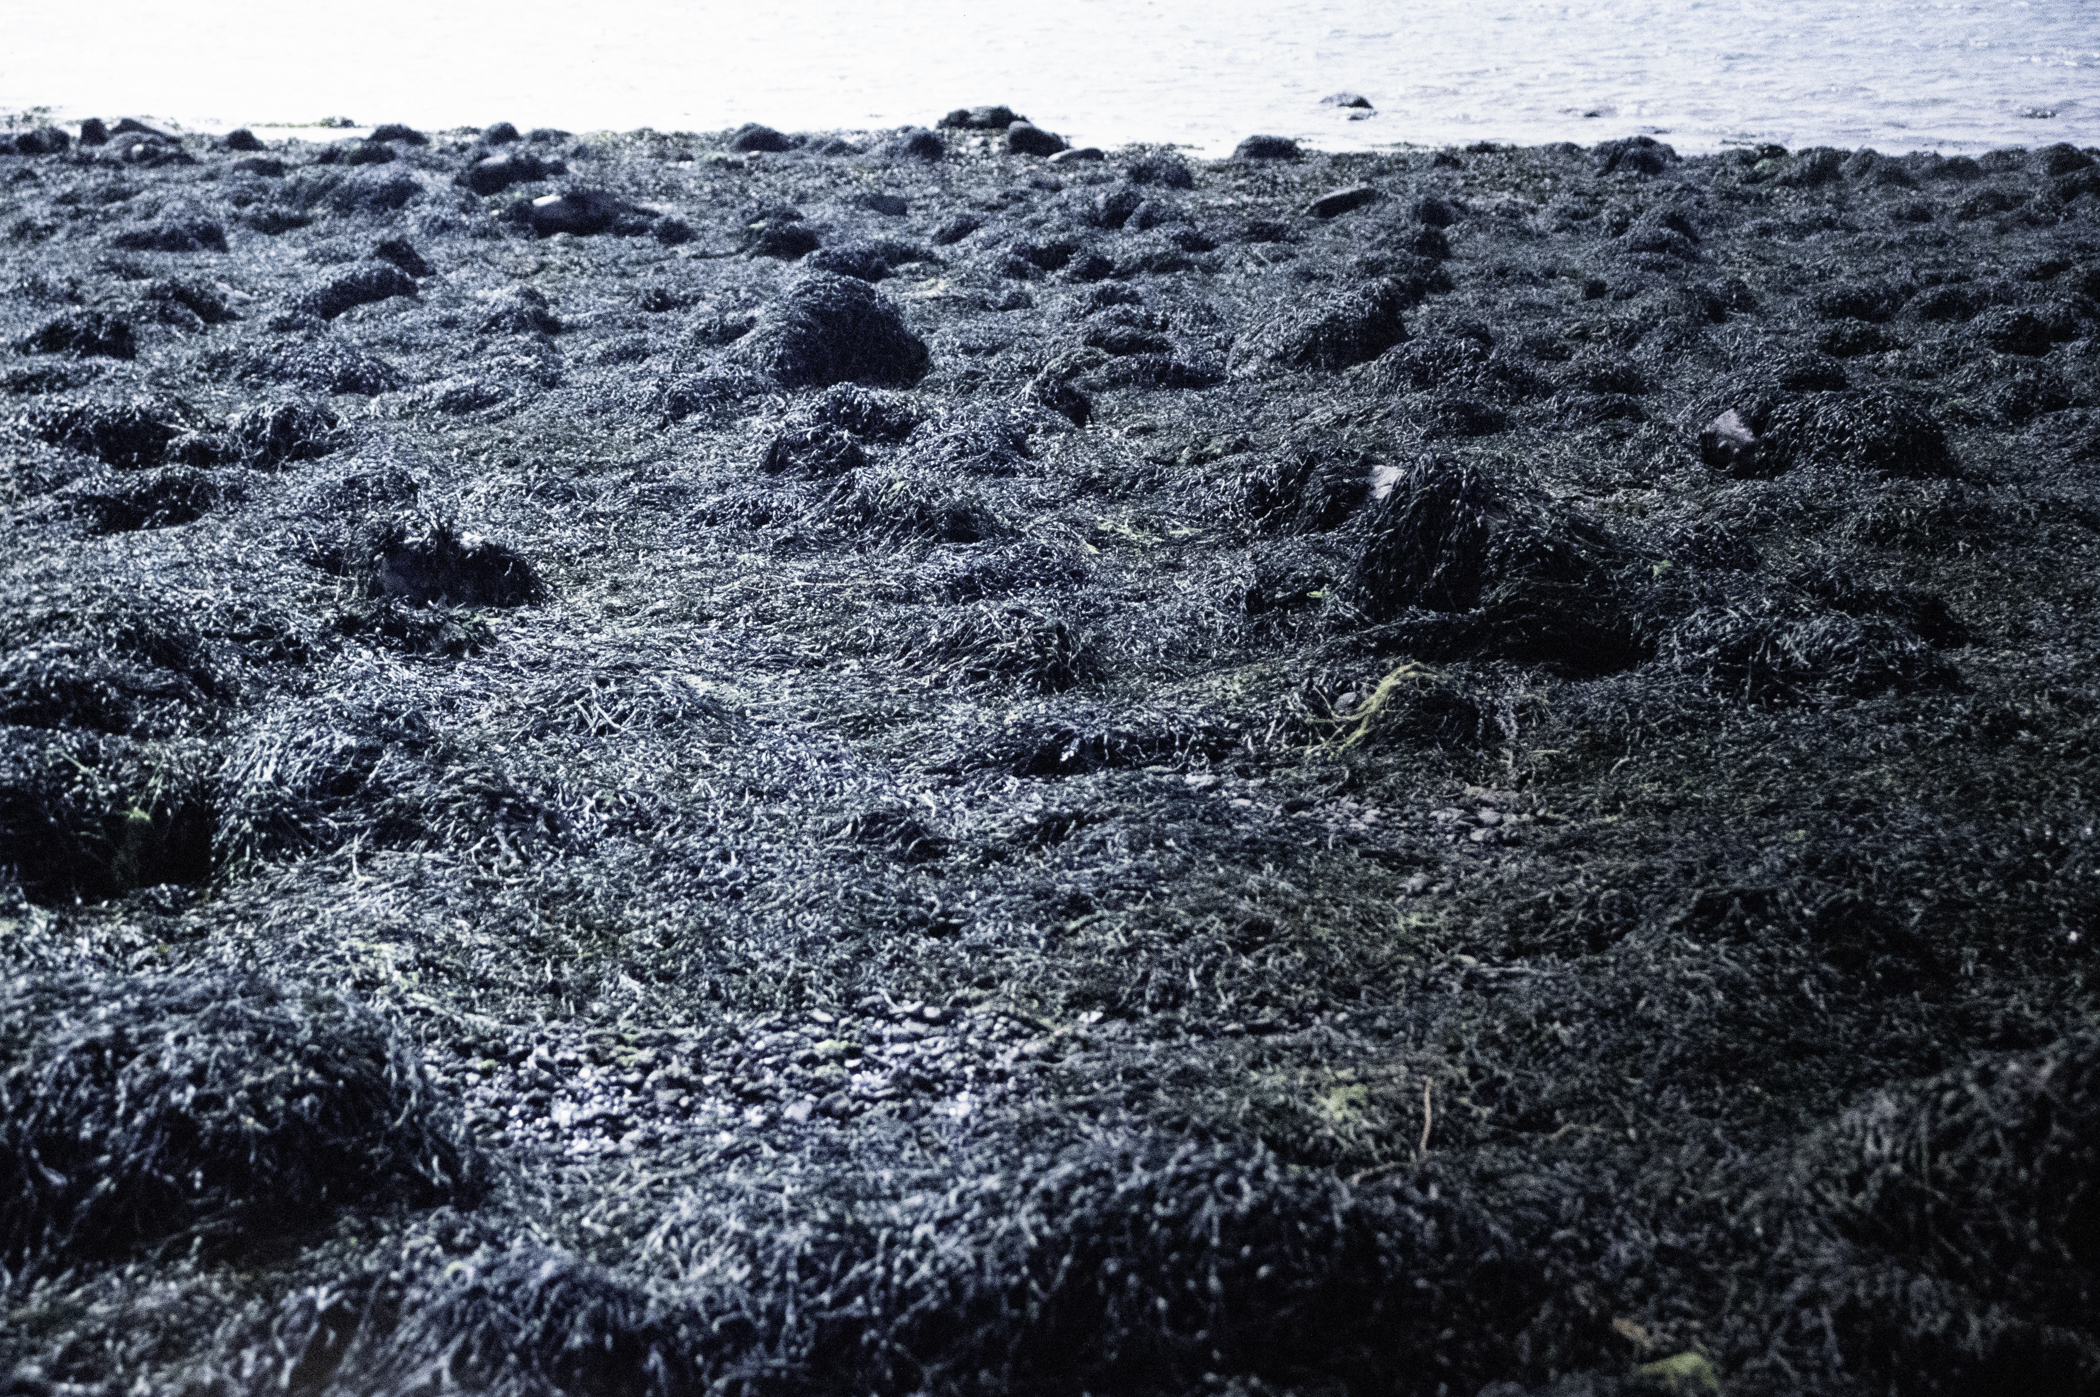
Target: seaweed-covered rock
583,212
172,234
88,816
272,434
828,329
85,333
752,137
1266,148
227,1109
492,174
360,285
1346,328
422,558
149,499
128,432
324,364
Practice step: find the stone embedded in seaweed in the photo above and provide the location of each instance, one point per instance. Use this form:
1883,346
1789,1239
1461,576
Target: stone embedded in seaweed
360,285
1022,138
826,329
1345,328
226,1110
752,137
85,333
421,558
1266,148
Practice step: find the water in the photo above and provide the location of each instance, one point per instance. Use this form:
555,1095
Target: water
1894,74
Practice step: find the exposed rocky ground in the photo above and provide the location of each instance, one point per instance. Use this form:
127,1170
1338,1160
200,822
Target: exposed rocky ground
918,763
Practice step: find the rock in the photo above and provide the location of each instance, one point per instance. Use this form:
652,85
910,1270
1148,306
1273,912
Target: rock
980,119
2057,160
501,134
519,310
1266,148
916,145
132,126
361,284
753,138
44,140
399,252
85,333
1080,156
955,228
1113,208
93,132
268,167
814,450
583,212
1347,328
869,259
673,232
888,205
1023,138
1342,201
547,135
395,131
1347,100
829,329
172,234
786,239
1161,168
1728,445
1641,155
242,139
426,559
1436,211
492,174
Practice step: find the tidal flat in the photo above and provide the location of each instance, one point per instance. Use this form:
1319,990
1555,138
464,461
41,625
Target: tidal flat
919,762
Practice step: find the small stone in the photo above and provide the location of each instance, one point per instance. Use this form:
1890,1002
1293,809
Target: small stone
1346,99
243,140
1342,201
1082,155
1024,138
501,134
1728,445
798,1111
132,126
93,132
889,205
1266,148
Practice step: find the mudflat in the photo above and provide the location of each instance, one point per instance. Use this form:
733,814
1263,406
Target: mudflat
920,762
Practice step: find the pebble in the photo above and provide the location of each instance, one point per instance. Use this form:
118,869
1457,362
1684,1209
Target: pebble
889,205
1081,155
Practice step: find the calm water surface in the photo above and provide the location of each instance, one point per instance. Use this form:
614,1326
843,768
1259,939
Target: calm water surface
1894,74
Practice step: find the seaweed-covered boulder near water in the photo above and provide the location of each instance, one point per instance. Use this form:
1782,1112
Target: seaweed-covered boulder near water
921,761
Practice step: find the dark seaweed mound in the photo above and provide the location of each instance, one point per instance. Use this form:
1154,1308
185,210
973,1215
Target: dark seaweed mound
140,1109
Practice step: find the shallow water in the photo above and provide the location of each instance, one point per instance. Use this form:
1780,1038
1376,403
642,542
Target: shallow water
1893,74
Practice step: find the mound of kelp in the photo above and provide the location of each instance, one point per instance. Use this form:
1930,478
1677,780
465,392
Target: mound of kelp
136,1110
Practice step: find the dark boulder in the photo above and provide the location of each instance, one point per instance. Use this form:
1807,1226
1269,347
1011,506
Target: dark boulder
85,333
1348,327
980,119
44,140
359,285
828,329
752,138
1341,201
492,174
501,134
916,145
1266,148
424,559
403,255
172,234
582,212
1640,155
395,131
1023,138
93,132
1162,168
243,140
